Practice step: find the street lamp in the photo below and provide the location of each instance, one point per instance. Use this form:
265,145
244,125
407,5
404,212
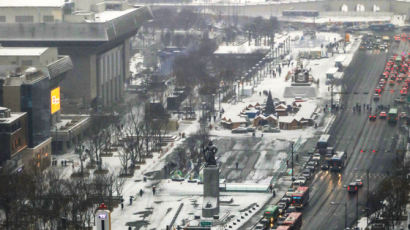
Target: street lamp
345,204
213,103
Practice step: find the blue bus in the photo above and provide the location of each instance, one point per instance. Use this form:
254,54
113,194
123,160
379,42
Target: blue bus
323,143
337,162
382,27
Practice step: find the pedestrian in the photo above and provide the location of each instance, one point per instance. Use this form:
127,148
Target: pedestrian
237,165
270,187
131,197
153,190
122,206
141,192
273,193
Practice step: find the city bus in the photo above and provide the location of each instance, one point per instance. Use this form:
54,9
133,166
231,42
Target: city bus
337,162
303,13
392,115
300,197
271,214
323,143
294,221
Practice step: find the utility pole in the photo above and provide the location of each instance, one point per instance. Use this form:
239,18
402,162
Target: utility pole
367,200
345,215
292,161
357,208
331,95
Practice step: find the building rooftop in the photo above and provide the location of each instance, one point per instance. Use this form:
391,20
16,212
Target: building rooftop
109,15
6,117
121,24
32,3
22,51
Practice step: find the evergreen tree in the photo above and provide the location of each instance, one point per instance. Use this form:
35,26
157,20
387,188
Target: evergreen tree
270,107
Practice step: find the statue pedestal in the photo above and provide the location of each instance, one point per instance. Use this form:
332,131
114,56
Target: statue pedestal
210,205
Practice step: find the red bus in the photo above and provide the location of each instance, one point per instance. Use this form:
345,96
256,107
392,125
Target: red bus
294,221
300,197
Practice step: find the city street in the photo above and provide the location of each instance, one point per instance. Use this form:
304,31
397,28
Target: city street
368,145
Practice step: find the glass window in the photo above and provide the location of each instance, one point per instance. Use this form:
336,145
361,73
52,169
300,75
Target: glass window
48,18
26,62
24,19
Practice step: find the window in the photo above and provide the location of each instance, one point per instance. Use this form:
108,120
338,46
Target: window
24,19
26,62
2,18
48,18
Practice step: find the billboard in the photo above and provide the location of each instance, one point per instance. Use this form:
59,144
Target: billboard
55,100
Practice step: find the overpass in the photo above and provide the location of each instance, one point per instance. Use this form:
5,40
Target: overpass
266,9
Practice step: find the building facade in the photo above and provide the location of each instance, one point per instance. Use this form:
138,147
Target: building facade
13,134
94,34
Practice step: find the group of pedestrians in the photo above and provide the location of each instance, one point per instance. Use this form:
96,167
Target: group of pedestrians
141,193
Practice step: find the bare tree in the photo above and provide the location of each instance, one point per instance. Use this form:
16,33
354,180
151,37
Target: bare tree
125,157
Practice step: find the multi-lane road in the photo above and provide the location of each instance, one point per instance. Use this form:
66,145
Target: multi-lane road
353,132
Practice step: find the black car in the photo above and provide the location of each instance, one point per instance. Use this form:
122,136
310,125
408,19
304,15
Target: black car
324,167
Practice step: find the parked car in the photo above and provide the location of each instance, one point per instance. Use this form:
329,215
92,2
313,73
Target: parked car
291,209
316,157
240,130
286,200
312,163
250,129
269,129
301,178
324,167
299,182
282,207
306,173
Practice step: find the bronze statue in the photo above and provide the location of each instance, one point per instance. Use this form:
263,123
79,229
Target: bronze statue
209,153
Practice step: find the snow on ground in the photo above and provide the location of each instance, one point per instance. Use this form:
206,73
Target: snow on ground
277,85
136,63
327,19
398,20
158,210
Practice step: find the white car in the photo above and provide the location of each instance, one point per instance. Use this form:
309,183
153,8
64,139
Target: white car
302,179
316,157
299,182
